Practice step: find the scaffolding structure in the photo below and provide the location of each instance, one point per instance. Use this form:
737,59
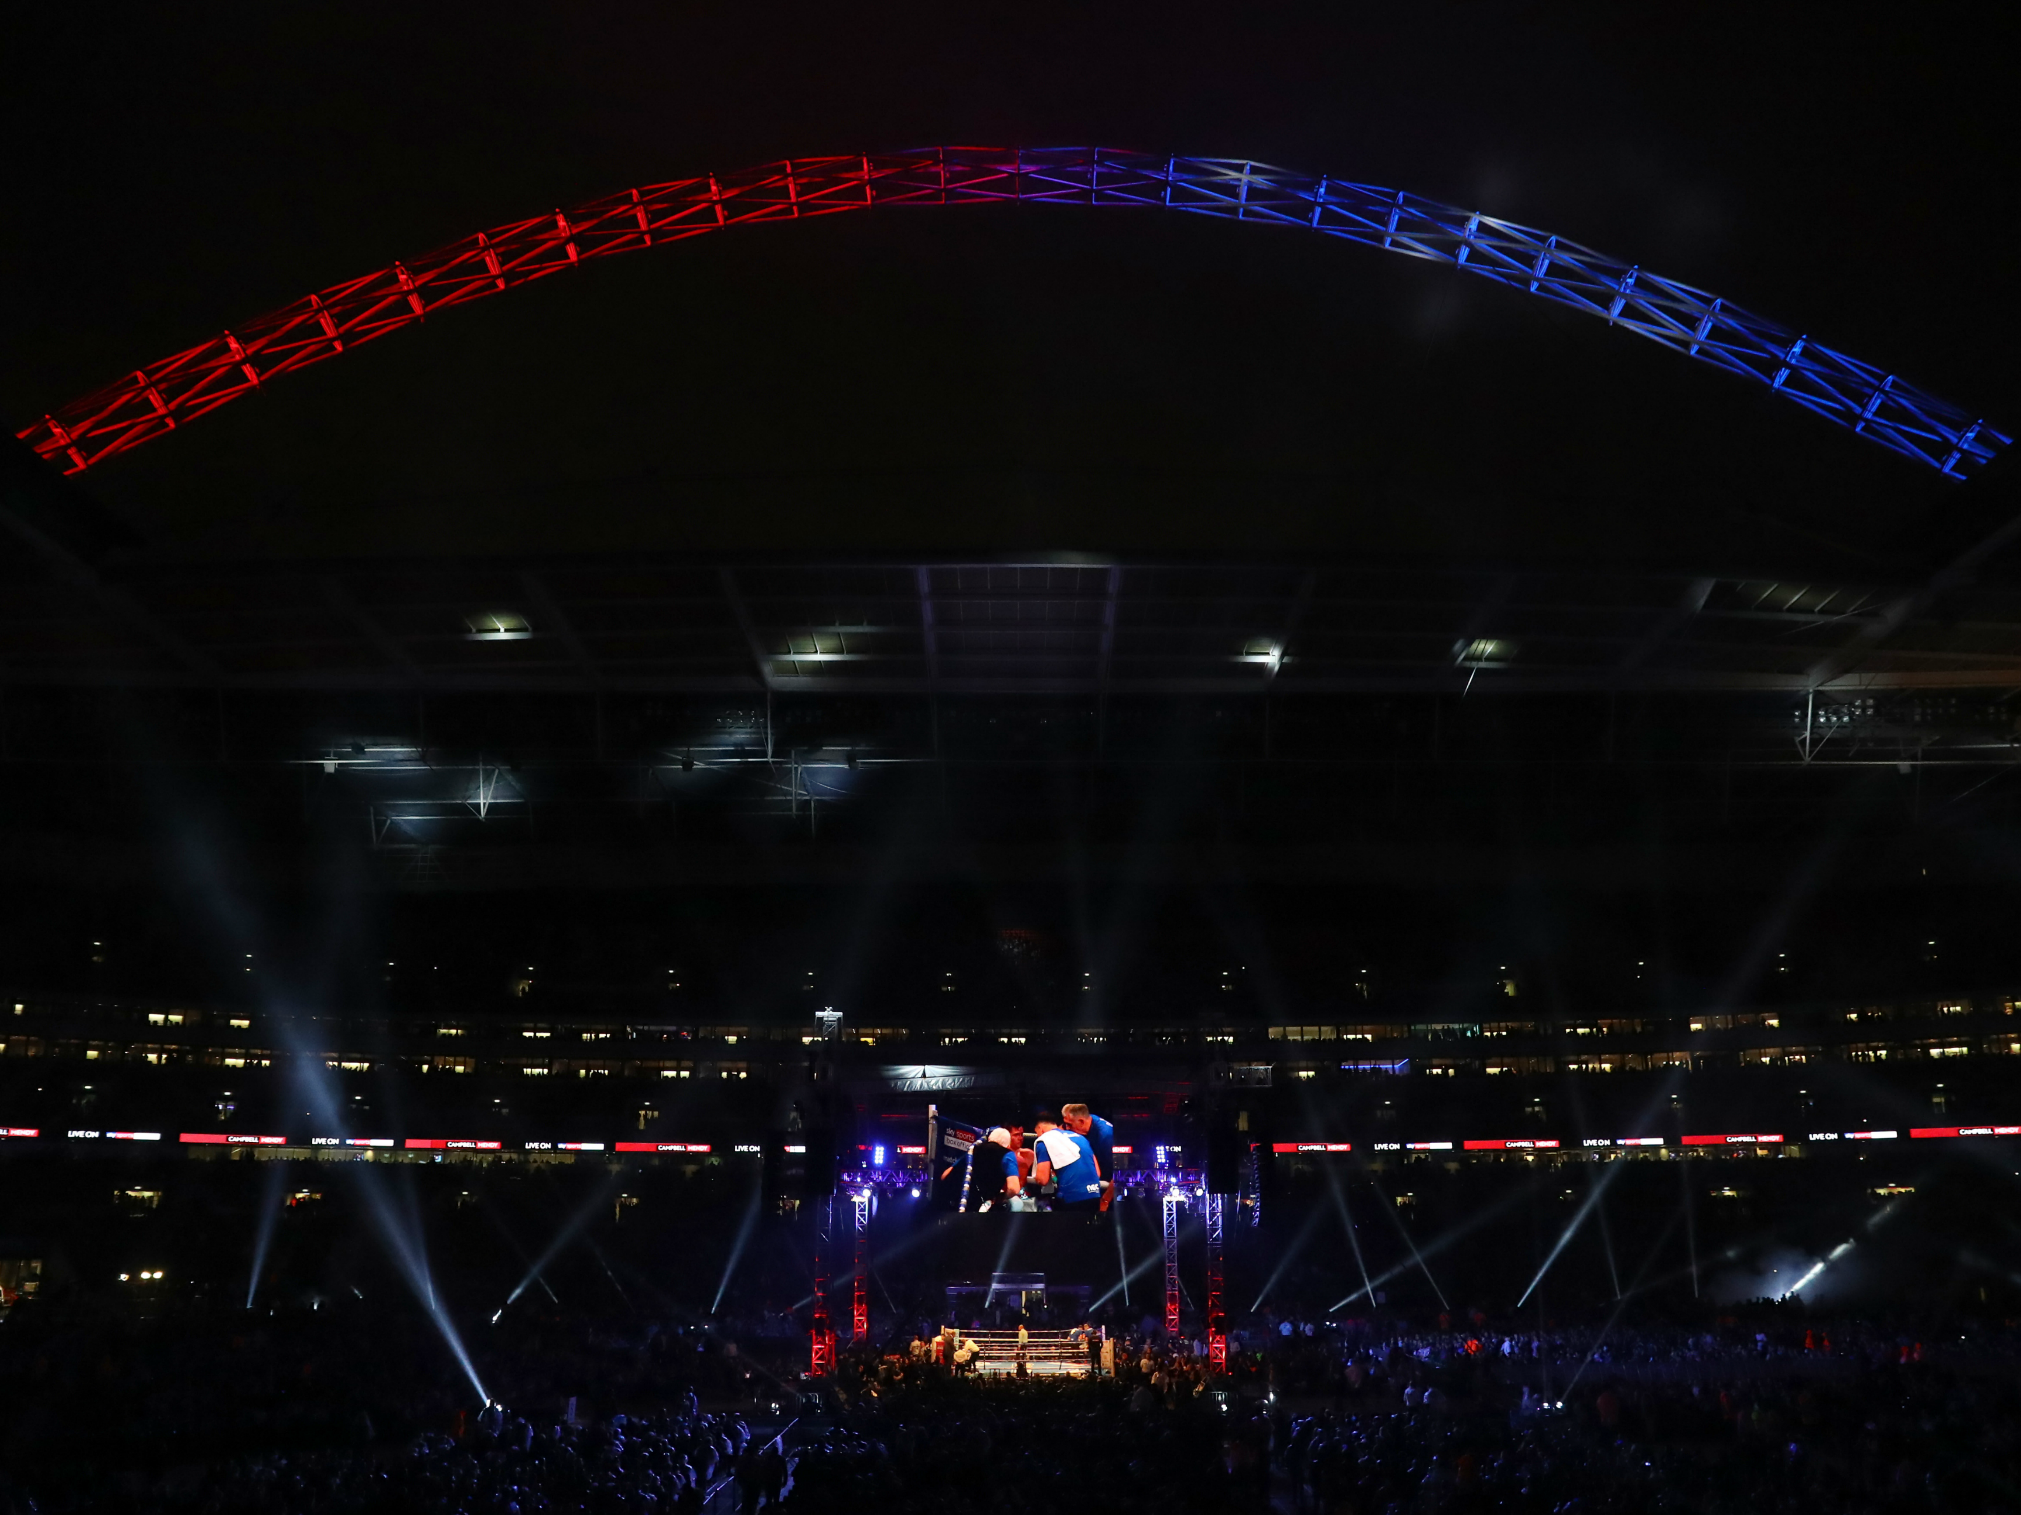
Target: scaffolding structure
821,1342
1173,1199
859,1308
1217,1317
1214,1211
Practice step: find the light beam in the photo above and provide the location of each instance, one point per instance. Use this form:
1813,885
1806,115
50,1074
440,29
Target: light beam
1404,1232
737,1249
270,1211
1593,1194
538,1268
1439,1244
1122,1263
1155,1259
1353,1239
1290,1254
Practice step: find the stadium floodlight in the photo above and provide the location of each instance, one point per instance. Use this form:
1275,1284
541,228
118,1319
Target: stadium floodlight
1817,1269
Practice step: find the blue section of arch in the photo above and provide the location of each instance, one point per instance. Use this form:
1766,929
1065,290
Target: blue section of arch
1869,401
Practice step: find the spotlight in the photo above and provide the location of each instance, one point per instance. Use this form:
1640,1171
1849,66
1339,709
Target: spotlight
915,1194
496,1313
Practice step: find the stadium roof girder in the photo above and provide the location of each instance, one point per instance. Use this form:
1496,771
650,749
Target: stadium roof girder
920,628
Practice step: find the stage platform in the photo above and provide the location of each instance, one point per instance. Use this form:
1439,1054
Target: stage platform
1034,1370
1048,1354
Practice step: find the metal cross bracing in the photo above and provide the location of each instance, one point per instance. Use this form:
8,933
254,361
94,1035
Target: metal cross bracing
1169,1203
169,392
1217,1316
859,1309
821,1334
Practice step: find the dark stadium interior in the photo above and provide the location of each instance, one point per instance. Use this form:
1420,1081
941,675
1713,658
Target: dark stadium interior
582,887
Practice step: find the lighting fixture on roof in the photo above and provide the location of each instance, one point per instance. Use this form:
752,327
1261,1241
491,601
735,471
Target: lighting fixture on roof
1483,652
498,626
1264,652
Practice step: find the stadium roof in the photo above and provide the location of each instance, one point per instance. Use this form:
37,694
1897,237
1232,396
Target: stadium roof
1064,624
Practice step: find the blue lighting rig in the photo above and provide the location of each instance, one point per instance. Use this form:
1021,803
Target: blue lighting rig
1190,1183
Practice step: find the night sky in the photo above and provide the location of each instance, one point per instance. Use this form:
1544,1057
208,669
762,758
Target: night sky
257,754
1010,379
1006,379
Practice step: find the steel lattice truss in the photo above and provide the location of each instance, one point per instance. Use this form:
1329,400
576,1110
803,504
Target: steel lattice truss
1217,1320
821,1336
859,1307
1870,401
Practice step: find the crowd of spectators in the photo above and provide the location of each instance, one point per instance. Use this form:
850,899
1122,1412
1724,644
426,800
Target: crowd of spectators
653,1465
100,1411
1667,1421
351,1413
966,1446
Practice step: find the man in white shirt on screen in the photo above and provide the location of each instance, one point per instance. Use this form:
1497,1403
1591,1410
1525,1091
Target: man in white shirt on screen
1066,1159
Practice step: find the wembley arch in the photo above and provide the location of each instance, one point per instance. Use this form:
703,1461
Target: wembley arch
1870,401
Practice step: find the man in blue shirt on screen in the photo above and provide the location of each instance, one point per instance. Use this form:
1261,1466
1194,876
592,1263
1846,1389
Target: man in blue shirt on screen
1101,1136
1068,1160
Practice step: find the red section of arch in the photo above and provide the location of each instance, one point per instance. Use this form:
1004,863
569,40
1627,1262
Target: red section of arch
153,401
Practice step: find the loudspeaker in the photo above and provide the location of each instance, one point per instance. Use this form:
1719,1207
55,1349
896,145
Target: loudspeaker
1226,1148
818,1168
